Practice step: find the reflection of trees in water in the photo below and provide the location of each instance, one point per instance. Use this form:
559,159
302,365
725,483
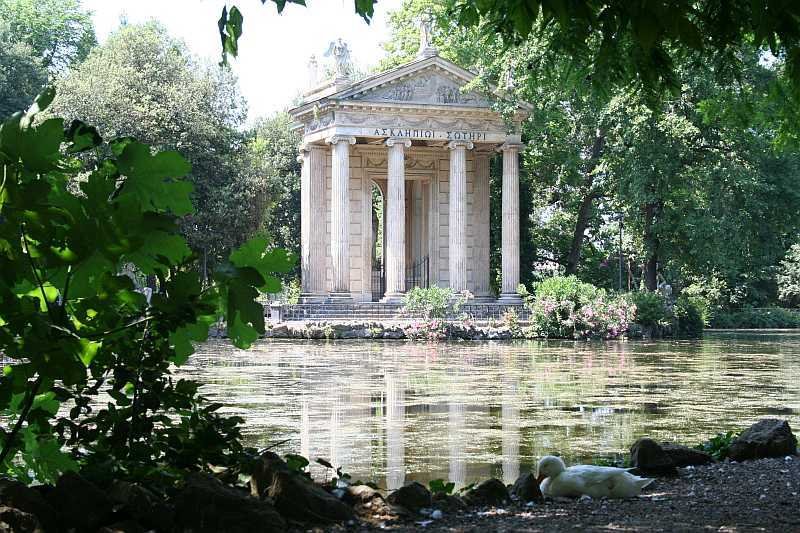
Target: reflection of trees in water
463,406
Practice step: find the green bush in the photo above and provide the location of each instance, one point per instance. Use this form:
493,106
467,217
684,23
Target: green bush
651,309
690,316
719,445
567,288
769,318
565,307
433,302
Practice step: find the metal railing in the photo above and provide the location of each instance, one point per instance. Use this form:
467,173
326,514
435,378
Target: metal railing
417,274
378,282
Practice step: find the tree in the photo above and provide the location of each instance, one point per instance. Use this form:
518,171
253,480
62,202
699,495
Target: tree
642,43
60,32
22,74
273,149
789,277
75,325
144,84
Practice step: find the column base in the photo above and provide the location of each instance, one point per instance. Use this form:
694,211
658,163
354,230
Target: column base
340,298
510,298
393,298
312,298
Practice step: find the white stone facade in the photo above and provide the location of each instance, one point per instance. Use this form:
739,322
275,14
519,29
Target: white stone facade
426,145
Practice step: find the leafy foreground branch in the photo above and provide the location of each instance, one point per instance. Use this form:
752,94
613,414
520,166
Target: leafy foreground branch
87,383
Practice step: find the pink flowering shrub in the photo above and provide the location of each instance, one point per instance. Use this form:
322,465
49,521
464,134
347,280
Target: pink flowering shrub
565,307
433,329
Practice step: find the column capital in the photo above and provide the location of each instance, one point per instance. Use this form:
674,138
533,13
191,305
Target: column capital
402,141
335,139
460,144
511,145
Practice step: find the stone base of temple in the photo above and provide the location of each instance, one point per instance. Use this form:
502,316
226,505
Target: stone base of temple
313,298
509,298
340,297
393,298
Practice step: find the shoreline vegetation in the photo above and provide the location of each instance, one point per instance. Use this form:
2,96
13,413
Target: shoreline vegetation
746,481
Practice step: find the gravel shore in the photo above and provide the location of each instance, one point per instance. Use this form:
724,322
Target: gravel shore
759,495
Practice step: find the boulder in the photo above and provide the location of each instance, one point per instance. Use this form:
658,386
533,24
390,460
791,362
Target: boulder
80,503
652,457
526,489
280,331
413,496
448,502
393,332
142,505
683,456
770,437
361,494
20,496
489,492
294,494
205,505
125,526
17,521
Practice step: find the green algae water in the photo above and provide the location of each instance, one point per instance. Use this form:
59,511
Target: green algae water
395,411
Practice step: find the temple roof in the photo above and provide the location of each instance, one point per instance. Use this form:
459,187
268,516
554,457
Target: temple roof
423,94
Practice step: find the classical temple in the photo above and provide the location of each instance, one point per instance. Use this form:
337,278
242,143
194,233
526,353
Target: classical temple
395,182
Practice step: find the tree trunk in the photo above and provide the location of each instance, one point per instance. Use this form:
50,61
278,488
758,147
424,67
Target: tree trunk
574,255
651,239
585,209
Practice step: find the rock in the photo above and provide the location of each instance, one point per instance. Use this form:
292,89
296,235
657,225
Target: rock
501,333
280,331
17,521
526,489
393,332
19,496
413,496
360,494
652,457
683,456
79,503
489,492
141,504
205,505
295,495
766,438
126,526
448,502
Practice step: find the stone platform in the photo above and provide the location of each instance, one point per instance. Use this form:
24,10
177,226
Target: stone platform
384,311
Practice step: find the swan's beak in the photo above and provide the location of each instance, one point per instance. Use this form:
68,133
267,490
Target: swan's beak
541,478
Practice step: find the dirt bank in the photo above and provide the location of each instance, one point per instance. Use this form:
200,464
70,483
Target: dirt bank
759,495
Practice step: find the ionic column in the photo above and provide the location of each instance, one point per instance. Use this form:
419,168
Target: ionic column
480,223
458,214
312,235
396,220
510,229
340,214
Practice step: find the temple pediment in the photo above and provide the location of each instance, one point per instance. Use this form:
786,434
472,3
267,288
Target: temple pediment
428,86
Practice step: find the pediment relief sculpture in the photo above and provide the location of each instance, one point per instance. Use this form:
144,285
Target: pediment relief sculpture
427,88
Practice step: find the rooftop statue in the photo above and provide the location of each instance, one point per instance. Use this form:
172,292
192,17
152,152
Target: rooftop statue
426,47
343,67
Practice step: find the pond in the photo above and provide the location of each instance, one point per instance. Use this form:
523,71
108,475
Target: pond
393,412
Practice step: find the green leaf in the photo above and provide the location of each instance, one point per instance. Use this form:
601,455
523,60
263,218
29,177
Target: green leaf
245,316
182,338
152,182
88,351
82,137
230,30
159,251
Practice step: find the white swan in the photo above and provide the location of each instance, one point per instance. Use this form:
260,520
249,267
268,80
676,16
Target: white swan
557,481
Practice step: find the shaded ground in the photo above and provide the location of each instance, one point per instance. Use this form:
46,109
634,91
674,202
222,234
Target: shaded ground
758,495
